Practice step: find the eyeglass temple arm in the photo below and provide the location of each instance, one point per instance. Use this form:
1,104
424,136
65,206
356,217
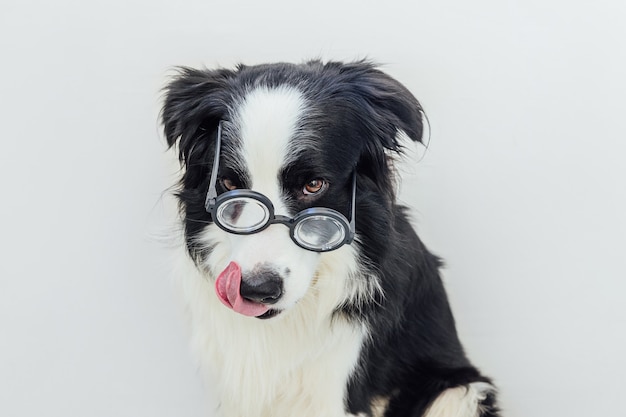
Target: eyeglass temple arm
353,209
212,194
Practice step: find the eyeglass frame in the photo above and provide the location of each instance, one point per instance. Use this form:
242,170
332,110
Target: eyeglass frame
213,201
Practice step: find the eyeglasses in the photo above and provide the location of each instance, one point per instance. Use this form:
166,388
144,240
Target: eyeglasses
245,212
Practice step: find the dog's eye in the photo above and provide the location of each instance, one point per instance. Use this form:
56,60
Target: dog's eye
229,184
314,186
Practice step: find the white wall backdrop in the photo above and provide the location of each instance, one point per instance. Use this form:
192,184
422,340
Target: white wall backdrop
521,191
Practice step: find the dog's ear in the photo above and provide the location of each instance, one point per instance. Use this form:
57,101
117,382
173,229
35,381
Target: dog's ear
387,107
194,100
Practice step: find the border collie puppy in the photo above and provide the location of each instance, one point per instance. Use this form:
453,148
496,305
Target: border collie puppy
308,291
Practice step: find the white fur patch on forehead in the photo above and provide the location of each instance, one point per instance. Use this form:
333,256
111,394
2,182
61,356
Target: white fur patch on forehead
266,120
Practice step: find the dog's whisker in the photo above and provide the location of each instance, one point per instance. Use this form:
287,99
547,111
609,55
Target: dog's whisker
198,221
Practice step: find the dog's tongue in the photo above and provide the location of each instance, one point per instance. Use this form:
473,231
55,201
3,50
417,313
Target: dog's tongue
227,287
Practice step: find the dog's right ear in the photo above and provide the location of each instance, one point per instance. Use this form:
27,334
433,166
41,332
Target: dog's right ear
194,99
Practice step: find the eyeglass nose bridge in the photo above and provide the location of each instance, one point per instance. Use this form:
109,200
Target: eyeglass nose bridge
284,220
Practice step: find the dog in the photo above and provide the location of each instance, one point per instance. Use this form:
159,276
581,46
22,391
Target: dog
309,293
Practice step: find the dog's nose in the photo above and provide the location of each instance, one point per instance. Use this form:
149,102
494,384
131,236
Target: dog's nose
262,287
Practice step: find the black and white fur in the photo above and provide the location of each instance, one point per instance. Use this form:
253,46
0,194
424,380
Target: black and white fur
365,330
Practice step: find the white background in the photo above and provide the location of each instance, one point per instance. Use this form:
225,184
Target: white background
521,191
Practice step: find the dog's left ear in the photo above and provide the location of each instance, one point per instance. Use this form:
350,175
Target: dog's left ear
389,106
195,100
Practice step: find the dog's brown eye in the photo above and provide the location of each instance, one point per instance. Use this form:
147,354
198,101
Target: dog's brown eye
229,184
314,186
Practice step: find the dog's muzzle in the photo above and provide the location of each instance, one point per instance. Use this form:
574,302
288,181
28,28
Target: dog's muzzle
251,295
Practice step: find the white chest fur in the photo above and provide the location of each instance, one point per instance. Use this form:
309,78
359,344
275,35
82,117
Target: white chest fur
294,364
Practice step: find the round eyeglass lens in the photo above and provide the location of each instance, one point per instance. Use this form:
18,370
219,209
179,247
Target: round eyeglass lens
320,232
242,214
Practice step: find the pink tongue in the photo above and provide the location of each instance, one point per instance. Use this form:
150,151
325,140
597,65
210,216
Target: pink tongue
227,287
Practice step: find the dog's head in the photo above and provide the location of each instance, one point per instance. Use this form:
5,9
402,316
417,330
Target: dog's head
301,137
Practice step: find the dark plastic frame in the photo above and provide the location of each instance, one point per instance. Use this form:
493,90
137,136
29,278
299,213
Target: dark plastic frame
213,201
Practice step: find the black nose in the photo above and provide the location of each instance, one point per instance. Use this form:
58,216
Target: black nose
262,287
